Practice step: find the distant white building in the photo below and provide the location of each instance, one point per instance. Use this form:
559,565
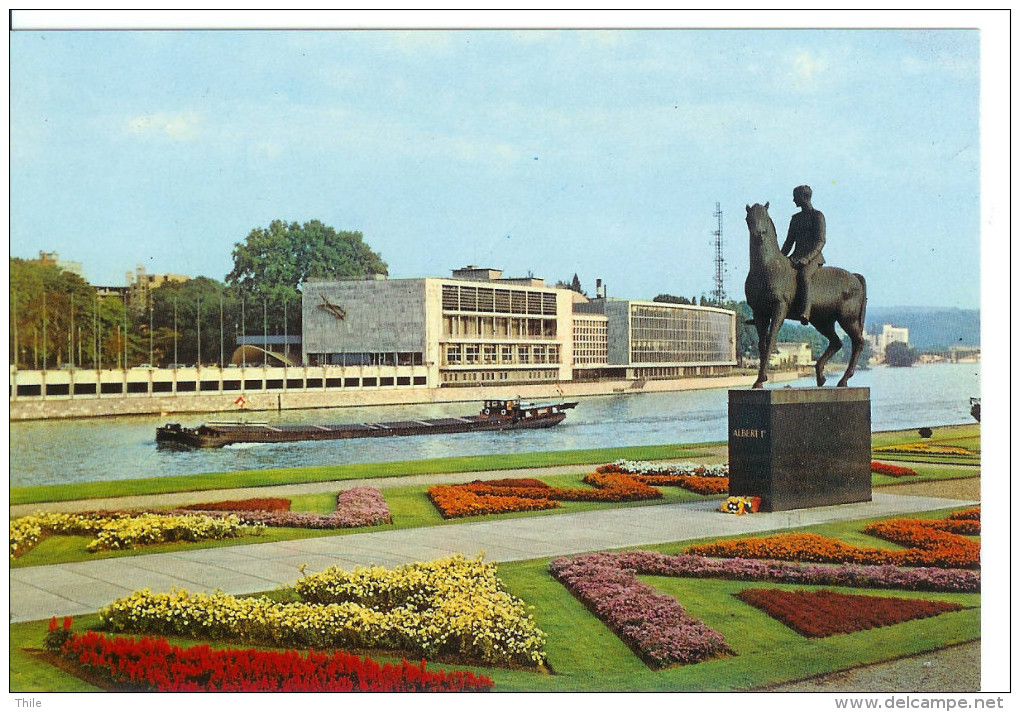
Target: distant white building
889,335
791,354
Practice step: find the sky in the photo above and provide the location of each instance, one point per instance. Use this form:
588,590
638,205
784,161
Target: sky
544,152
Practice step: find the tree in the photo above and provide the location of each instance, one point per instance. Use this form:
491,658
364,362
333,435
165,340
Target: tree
272,263
900,354
56,318
747,335
191,310
575,284
671,299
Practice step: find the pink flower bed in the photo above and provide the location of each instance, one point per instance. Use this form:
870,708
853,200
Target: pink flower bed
661,631
355,507
653,624
850,575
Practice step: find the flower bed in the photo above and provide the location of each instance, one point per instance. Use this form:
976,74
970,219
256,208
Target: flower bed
968,514
850,575
925,449
452,606
662,633
622,481
117,530
262,504
819,614
355,507
653,624
155,665
929,541
884,468
513,495
476,498
666,469
928,545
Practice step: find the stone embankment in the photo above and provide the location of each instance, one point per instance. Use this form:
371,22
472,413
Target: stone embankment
198,402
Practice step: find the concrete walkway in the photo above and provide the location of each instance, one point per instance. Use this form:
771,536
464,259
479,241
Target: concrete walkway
41,592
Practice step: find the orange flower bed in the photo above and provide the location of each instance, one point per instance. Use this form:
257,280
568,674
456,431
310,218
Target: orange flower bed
469,500
973,513
928,545
694,483
523,495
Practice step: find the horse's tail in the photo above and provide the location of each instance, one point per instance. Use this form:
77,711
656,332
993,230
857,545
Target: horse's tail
864,301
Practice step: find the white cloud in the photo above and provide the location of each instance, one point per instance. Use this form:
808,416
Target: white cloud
806,66
181,126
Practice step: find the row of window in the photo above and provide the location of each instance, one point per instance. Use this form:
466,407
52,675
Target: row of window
470,377
367,359
502,354
498,327
269,384
500,301
590,342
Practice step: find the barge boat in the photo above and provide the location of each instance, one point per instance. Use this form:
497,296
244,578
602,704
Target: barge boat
495,415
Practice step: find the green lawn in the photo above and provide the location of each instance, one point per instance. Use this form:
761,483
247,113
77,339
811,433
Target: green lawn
585,656
338,473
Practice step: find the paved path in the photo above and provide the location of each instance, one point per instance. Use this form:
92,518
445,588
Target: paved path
41,592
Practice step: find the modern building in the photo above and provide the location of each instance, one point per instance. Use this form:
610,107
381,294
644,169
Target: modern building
140,283
653,340
475,328
889,335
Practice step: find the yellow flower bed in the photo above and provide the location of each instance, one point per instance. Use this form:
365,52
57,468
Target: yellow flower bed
450,606
124,531
927,449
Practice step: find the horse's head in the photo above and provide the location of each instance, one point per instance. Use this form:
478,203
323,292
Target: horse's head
759,224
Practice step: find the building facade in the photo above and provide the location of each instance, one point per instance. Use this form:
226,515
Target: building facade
889,335
791,353
475,328
662,340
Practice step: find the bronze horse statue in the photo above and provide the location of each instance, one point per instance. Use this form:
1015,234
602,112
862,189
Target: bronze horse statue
771,287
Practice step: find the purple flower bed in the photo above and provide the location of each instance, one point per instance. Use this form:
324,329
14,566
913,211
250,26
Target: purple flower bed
355,507
654,625
855,575
662,633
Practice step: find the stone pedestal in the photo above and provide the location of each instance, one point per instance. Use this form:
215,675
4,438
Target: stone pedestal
800,447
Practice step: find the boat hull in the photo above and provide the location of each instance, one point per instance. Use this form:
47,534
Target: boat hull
214,436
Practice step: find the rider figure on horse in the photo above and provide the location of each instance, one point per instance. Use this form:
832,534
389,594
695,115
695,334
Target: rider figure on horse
806,237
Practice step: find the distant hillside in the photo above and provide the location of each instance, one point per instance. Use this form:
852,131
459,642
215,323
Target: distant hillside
931,328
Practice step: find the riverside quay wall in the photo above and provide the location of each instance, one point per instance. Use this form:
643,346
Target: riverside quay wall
40,395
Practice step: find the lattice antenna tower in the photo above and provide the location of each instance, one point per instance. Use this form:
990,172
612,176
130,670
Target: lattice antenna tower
719,293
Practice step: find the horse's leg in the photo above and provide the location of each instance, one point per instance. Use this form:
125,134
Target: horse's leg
762,326
828,330
855,332
768,332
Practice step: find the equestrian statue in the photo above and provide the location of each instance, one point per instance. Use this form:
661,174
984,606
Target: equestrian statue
782,285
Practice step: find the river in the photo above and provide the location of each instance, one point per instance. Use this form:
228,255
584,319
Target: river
54,452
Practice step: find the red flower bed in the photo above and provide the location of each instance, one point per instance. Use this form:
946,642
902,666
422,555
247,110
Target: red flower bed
694,483
884,468
928,545
819,614
154,664
258,504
